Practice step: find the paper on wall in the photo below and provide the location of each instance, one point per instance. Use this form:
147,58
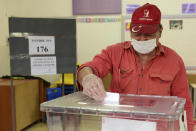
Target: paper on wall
41,45
43,65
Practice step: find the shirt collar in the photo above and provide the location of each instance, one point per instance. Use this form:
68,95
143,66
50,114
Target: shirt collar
127,45
159,49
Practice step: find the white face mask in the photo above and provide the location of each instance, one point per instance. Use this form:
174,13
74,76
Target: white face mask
144,47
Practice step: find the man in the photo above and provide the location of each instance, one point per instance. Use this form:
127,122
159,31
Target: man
142,66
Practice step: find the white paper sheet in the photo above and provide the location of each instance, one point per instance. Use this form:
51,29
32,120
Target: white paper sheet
43,65
117,124
41,45
111,99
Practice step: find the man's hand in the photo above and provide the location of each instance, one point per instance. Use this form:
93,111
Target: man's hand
93,87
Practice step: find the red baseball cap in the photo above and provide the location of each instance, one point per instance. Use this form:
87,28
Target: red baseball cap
146,19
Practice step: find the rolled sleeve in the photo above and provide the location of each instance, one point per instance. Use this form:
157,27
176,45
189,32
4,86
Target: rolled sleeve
100,65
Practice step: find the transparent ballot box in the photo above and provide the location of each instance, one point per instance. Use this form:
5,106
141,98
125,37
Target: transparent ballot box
118,112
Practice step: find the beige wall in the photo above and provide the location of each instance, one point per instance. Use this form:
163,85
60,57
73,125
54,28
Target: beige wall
93,37
45,8
7,8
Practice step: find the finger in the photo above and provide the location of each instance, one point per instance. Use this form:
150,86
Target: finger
87,92
95,91
101,88
98,94
96,88
92,92
91,89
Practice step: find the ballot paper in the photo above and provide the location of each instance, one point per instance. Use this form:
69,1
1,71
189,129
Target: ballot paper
111,99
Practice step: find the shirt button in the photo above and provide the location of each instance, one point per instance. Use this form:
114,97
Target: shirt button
140,89
142,75
121,77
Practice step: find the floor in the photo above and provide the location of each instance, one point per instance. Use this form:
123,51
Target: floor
41,127
37,127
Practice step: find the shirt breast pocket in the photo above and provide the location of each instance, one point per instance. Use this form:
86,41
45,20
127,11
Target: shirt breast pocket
125,77
160,84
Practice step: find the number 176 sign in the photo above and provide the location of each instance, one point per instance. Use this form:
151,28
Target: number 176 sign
41,45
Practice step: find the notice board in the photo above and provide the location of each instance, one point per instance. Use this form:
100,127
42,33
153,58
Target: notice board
40,46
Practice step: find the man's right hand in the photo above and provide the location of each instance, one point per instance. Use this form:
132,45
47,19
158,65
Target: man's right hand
93,87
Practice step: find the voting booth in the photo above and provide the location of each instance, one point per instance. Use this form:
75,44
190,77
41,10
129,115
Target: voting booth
40,46
118,112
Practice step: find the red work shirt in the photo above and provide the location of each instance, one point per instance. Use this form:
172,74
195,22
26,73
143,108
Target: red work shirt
164,74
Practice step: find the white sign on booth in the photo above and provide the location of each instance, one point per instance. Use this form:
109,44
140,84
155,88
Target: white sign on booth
41,45
43,65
